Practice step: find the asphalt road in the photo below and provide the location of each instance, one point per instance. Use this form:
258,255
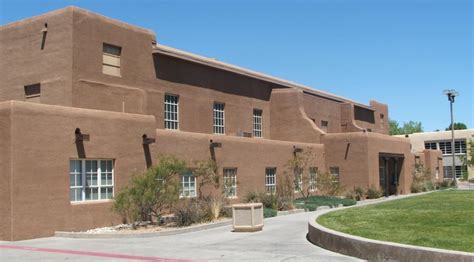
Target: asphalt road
282,239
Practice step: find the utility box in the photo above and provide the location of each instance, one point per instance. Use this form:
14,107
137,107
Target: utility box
247,217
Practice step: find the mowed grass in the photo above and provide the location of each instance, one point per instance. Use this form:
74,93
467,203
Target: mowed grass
443,219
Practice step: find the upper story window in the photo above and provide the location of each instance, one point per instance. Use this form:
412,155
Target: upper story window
270,180
91,179
334,171
382,120
445,147
257,123
219,118
111,60
460,147
430,145
324,125
32,92
171,112
188,185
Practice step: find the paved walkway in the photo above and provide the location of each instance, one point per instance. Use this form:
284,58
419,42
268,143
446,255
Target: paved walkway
282,239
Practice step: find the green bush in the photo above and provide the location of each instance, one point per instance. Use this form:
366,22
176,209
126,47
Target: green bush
150,194
373,193
268,200
269,212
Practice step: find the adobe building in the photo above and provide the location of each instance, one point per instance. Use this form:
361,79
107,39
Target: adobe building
87,101
442,141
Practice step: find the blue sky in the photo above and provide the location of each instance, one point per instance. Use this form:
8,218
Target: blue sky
403,52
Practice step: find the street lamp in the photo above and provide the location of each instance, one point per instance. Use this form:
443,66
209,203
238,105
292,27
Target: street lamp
451,93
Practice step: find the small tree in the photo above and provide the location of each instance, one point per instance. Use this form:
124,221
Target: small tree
206,174
457,126
409,127
296,166
328,184
150,194
468,159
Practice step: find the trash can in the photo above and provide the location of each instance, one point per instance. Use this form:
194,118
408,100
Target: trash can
247,217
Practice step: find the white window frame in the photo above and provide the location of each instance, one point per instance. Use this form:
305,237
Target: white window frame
445,147
298,182
187,189
335,172
83,187
171,116
257,122
218,111
460,147
313,173
270,180
429,145
230,182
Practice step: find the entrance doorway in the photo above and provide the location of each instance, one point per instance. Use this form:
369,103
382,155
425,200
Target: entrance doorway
390,166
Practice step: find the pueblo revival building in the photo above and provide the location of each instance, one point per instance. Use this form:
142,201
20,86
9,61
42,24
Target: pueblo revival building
87,101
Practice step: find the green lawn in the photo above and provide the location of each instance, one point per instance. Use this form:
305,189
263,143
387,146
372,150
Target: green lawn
442,219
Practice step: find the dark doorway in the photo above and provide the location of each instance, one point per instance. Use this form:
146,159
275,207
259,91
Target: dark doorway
390,166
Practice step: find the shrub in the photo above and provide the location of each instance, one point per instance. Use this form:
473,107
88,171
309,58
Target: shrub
328,184
151,193
268,200
269,212
373,193
313,202
421,180
191,211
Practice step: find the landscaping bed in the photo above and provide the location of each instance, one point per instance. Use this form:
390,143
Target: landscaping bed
313,202
443,219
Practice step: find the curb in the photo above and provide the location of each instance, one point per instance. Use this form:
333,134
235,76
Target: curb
143,235
376,250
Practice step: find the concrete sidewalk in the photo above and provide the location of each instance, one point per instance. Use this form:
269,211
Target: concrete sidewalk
282,239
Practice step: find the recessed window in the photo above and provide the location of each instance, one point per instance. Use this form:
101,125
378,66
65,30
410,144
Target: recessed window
298,182
270,180
257,123
382,120
32,91
313,172
111,60
188,185
219,118
460,147
445,147
230,182
430,145
334,172
171,112
91,179
324,125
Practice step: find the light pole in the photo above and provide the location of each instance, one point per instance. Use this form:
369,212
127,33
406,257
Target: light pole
451,93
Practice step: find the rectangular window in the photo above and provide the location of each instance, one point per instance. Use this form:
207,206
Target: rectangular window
324,124
313,172
298,179
430,145
257,123
448,172
334,172
270,180
111,59
460,147
171,112
32,91
445,147
382,120
219,118
188,185
91,179
230,182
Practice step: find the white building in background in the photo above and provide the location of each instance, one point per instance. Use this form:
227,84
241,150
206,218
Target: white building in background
441,140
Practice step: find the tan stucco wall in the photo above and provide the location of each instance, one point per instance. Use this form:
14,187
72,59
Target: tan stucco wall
5,171
42,143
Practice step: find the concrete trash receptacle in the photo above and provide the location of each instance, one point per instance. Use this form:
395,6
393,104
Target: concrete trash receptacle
247,217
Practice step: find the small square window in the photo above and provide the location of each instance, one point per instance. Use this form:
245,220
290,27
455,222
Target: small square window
324,123
32,91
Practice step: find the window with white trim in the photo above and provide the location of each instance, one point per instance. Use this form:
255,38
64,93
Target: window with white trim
430,145
298,182
445,147
171,112
270,180
460,147
111,59
257,123
91,179
219,118
313,172
230,182
188,184
334,171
